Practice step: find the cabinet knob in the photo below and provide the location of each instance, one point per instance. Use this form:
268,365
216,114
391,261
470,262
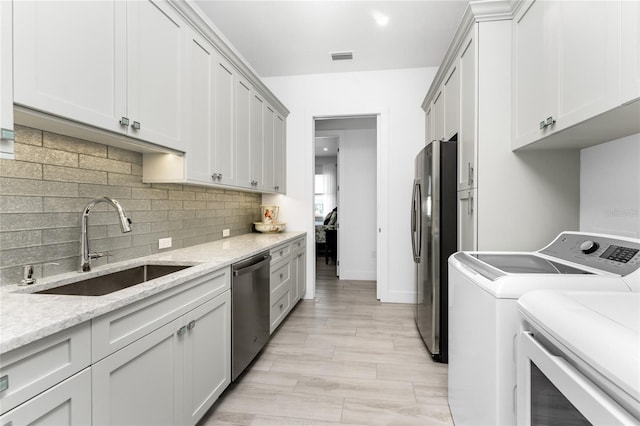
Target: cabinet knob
191,325
219,176
281,306
136,125
182,330
214,176
124,121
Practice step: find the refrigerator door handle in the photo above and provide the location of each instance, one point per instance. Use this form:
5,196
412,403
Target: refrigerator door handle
416,221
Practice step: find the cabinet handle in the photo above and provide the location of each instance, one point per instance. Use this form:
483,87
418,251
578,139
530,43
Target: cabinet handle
276,187
219,176
281,276
182,330
124,121
470,204
4,383
470,174
191,325
548,122
281,251
136,125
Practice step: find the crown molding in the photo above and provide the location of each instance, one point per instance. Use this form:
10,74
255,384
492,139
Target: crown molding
477,11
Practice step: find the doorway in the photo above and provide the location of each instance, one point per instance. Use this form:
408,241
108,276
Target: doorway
345,197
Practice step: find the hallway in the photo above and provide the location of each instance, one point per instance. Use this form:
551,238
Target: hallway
344,358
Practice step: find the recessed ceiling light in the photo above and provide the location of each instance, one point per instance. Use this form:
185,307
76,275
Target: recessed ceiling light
380,18
326,149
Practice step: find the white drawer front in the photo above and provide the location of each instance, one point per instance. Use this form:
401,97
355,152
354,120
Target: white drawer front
280,275
298,245
280,252
280,308
117,329
31,369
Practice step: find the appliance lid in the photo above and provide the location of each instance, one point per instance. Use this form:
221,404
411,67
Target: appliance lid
526,264
599,330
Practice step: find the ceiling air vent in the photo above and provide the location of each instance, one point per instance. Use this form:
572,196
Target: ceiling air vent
341,56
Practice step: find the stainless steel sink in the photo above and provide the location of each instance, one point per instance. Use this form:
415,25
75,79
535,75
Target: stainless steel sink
105,284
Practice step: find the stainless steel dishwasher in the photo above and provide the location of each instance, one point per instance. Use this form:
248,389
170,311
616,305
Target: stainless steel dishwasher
249,310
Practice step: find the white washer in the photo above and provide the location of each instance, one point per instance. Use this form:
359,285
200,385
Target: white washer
483,318
579,358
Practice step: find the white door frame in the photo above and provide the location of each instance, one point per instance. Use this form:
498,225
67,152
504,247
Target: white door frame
382,187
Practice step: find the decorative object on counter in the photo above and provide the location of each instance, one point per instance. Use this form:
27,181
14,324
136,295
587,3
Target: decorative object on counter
270,227
269,214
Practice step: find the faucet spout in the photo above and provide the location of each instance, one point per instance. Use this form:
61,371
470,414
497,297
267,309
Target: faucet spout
125,226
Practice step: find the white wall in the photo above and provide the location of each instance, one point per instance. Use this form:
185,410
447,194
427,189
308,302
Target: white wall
610,187
396,95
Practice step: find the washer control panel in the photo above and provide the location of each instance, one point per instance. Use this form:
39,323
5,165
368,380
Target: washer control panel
608,254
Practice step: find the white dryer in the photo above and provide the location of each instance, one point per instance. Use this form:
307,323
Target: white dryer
484,288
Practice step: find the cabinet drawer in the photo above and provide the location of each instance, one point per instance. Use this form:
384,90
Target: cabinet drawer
280,275
298,245
31,369
280,252
117,329
67,403
280,308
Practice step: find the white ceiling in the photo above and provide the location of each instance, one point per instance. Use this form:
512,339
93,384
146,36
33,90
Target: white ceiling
327,142
295,37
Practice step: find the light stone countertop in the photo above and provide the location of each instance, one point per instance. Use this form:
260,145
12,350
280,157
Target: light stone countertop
26,317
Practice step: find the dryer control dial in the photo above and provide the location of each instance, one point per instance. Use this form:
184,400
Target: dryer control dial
589,246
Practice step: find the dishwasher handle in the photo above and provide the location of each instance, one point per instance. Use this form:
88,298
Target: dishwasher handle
250,265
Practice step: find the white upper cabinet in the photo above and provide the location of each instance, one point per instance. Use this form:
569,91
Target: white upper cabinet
267,135
70,60
452,104
111,64
630,51
438,116
567,65
155,84
223,150
243,104
467,133
6,80
279,172
257,144
201,60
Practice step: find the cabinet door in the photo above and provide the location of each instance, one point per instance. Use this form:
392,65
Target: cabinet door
207,356
70,60
155,84
267,134
6,80
201,59
295,265
242,133
531,89
140,384
468,103
428,126
467,222
279,147
223,161
257,143
302,274
438,116
630,51
586,58
452,104
68,403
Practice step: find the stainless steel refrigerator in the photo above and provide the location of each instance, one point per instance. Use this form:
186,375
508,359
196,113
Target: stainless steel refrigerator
434,239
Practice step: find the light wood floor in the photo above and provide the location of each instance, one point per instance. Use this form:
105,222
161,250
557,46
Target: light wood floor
343,358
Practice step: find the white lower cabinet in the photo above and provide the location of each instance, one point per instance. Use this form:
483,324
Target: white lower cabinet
170,376
68,403
288,279
467,220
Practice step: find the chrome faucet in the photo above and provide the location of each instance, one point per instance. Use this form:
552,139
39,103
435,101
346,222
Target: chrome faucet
125,226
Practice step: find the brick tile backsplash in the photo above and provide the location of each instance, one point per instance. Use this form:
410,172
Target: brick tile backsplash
43,192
